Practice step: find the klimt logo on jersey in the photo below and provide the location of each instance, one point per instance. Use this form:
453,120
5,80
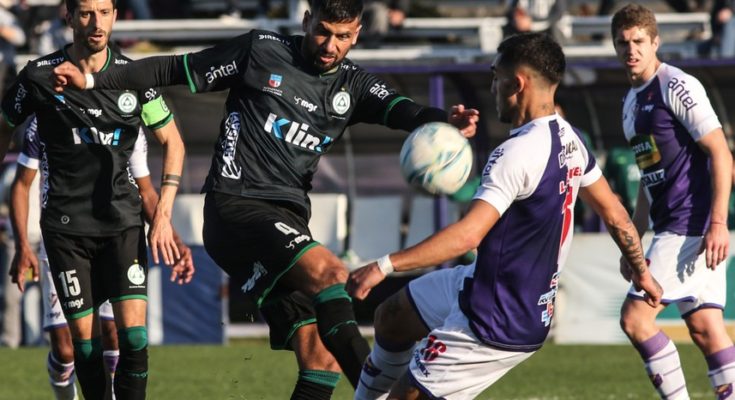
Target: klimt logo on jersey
296,135
221,71
228,144
275,80
93,135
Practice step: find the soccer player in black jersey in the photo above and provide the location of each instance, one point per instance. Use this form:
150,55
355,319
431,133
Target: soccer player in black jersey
290,98
91,219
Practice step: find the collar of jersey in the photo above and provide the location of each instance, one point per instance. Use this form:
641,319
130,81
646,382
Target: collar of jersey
104,67
647,83
525,127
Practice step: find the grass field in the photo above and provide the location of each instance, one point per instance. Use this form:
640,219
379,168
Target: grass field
248,370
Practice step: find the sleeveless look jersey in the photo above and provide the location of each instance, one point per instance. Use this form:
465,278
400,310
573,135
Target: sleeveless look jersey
88,138
662,120
532,180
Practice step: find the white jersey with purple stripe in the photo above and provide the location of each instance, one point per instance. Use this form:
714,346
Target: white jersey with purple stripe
532,180
663,119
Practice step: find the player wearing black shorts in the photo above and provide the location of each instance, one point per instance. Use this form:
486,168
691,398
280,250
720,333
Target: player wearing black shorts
290,98
91,218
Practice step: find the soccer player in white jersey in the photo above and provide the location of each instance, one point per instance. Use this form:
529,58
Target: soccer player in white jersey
685,166
480,321
60,360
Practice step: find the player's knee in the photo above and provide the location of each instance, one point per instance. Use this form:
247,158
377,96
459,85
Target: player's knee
64,352
87,350
321,360
134,338
629,324
388,320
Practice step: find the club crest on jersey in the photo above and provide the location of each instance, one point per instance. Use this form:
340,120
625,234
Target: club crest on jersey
127,102
341,102
296,135
136,274
275,80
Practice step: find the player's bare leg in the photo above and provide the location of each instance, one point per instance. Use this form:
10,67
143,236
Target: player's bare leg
322,276
60,364
397,329
657,351
87,357
319,371
132,370
707,329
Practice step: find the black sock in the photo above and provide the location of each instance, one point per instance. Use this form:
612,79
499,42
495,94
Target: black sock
338,330
315,385
90,368
131,375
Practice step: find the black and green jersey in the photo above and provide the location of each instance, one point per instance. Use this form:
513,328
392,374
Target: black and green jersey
281,115
88,138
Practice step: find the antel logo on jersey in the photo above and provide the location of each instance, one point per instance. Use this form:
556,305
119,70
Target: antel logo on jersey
275,80
136,274
677,88
341,102
127,102
379,90
296,134
19,96
492,160
221,71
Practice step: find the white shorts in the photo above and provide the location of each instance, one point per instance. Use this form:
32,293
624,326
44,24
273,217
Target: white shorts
679,265
53,316
451,363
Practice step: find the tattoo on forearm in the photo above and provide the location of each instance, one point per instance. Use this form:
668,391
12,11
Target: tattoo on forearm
625,238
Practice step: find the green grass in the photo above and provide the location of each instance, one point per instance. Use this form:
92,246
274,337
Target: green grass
248,370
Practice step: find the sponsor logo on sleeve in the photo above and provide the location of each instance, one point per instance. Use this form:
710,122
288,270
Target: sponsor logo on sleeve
492,160
380,91
52,61
678,88
221,71
20,95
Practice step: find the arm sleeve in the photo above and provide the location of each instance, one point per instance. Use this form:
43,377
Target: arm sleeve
220,67
18,104
143,74
688,101
139,159
379,103
154,111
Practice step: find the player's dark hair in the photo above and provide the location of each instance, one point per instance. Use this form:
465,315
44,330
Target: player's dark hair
538,51
336,10
72,5
632,16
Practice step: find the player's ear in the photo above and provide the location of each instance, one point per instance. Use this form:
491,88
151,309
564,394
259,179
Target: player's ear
656,41
357,33
519,83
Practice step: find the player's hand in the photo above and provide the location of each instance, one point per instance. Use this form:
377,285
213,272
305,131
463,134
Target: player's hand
716,244
363,280
465,119
183,270
67,74
161,239
647,283
24,258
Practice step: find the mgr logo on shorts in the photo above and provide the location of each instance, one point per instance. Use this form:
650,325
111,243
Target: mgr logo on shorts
136,274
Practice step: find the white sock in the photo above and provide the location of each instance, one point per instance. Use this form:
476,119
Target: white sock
380,371
110,358
664,367
62,378
722,372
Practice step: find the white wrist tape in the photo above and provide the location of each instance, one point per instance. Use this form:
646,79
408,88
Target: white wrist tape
386,267
90,81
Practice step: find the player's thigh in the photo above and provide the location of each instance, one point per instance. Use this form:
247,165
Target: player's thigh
316,269
434,295
122,276
285,313
707,329
70,263
256,242
453,364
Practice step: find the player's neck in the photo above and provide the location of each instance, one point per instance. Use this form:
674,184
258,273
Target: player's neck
535,109
87,61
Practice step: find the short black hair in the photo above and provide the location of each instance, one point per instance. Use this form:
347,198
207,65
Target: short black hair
72,5
536,50
336,10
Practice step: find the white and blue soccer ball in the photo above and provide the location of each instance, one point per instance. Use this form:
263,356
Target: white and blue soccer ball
436,158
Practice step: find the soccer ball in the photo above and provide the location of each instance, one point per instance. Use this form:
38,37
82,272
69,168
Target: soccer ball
436,158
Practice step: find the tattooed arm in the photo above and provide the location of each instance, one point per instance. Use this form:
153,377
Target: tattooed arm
624,233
